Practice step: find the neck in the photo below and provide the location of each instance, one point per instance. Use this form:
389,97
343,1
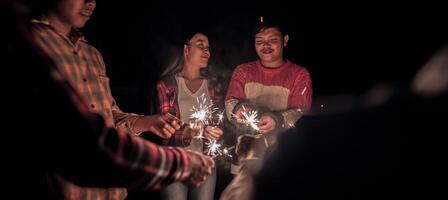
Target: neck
58,24
273,64
190,73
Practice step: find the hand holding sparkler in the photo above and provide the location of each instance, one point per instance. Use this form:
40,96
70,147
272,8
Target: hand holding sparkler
240,114
266,124
247,117
164,125
206,117
213,133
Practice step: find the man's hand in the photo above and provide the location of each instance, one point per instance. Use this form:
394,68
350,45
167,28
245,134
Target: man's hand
239,114
200,168
164,125
213,133
266,124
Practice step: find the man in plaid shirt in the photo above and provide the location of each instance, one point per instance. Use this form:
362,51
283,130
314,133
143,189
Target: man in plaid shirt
88,153
83,66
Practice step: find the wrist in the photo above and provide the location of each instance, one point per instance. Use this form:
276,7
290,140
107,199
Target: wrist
134,125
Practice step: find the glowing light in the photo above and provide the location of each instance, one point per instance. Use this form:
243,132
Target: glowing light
213,148
226,152
250,118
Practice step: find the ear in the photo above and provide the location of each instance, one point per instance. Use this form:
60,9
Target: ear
186,50
285,40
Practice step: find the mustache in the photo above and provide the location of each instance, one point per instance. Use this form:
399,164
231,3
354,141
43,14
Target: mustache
267,49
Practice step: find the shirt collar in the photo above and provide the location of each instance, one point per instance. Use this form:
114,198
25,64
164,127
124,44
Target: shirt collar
74,36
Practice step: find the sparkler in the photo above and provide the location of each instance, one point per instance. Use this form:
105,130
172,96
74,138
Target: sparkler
213,148
250,118
203,115
226,152
204,112
220,116
200,135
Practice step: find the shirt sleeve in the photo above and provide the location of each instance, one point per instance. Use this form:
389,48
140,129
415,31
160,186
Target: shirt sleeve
301,96
235,92
299,100
95,155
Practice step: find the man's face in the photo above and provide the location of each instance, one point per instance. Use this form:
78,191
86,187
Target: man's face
75,12
197,51
269,44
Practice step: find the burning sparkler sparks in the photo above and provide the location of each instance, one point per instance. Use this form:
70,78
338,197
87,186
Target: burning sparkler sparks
226,151
200,135
220,118
250,118
201,113
204,113
213,148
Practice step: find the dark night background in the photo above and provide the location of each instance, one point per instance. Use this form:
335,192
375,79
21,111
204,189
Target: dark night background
347,48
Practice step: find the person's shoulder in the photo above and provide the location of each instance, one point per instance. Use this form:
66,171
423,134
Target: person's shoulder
297,70
89,47
40,28
167,80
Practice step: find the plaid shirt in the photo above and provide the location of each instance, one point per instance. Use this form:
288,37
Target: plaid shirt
83,66
168,92
72,142
116,158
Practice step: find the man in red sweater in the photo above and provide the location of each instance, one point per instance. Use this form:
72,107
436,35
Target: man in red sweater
277,88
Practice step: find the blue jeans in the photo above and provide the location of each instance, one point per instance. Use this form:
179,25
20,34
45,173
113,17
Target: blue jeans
179,191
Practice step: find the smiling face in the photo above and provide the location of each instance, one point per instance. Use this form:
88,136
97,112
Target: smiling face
196,51
75,13
269,44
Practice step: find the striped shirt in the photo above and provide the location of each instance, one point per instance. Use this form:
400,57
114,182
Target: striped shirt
286,89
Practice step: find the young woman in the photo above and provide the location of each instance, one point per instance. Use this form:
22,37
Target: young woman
178,90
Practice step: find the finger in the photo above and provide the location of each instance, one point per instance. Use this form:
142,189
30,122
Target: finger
166,133
167,116
198,179
176,124
158,132
212,135
169,128
201,176
262,125
263,131
208,161
217,131
172,118
263,121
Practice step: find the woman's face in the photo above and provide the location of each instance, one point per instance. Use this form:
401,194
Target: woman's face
197,52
